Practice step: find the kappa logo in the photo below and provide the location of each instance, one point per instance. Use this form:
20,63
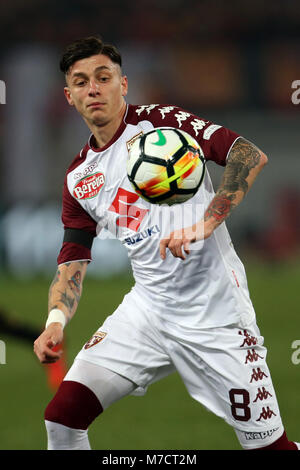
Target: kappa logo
252,356
248,340
266,414
259,435
95,339
89,186
86,170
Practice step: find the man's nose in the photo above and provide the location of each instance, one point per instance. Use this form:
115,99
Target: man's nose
94,88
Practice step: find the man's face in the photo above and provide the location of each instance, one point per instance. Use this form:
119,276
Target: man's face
96,88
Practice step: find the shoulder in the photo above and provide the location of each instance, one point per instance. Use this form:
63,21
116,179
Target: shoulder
157,114
167,115
214,139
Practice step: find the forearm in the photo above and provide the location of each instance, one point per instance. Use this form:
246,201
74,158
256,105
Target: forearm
244,163
66,288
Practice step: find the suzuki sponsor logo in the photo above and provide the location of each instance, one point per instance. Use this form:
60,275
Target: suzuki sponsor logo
89,186
142,235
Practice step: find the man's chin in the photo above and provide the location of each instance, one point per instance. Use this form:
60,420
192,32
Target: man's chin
97,120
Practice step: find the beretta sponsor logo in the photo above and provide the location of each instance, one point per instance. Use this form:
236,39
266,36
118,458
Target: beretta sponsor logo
89,186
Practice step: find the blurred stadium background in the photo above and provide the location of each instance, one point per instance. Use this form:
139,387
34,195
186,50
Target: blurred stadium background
233,62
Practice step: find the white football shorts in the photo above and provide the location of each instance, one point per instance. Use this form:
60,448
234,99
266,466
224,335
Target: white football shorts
223,368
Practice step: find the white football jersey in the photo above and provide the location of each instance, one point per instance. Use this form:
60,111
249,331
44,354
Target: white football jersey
208,288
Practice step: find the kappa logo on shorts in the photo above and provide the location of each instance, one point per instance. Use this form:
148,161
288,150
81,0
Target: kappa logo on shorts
259,435
95,339
248,340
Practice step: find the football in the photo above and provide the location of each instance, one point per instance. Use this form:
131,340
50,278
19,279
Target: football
165,166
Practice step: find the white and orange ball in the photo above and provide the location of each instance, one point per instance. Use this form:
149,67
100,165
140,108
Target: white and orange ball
166,166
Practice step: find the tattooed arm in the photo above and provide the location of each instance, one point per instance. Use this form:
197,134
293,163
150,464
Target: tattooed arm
244,163
64,294
66,288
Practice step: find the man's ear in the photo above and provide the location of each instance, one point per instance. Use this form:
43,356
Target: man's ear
68,96
124,85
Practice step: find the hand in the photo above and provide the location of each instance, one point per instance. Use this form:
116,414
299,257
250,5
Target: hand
179,240
44,344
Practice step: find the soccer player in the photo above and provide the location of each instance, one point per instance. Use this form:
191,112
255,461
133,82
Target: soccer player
189,310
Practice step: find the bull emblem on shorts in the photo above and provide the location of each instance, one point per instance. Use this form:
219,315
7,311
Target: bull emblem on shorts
95,339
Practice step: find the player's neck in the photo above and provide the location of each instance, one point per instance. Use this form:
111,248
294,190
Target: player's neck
103,133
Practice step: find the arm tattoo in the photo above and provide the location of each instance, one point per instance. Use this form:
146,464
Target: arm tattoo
242,158
219,208
67,300
75,285
66,290
72,297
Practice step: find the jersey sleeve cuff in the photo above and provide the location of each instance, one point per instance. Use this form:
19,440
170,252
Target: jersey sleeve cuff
73,252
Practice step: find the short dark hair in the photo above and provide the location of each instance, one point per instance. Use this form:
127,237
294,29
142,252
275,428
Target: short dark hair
86,47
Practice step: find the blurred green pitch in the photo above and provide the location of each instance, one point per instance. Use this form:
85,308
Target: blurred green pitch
166,417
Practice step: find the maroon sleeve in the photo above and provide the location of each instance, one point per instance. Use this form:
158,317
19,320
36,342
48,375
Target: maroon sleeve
218,145
215,140
75,217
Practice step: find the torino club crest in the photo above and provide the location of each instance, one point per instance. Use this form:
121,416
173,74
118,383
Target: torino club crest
95,339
